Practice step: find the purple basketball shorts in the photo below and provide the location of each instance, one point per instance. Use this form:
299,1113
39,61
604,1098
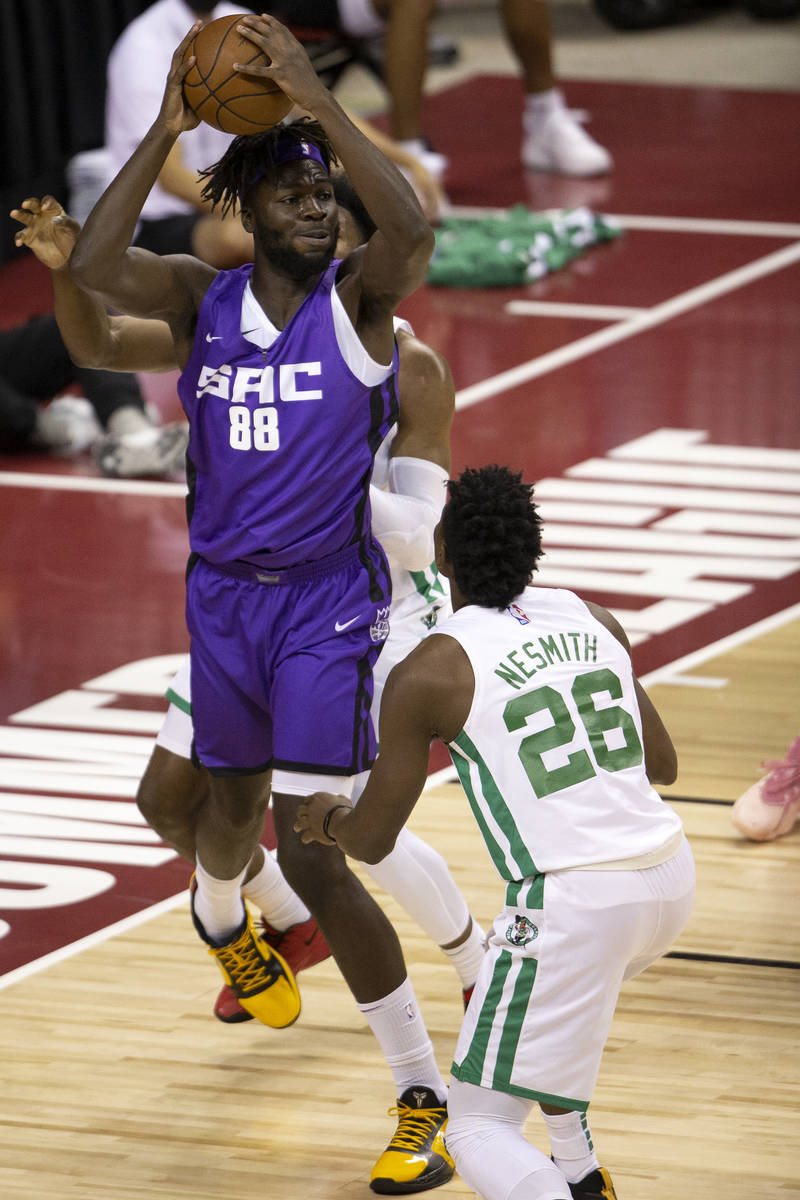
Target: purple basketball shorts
281,662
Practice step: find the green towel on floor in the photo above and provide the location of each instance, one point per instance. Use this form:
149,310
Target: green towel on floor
513,248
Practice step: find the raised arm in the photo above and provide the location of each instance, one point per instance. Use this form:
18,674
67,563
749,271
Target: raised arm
661,760
395,260
103,261
93,338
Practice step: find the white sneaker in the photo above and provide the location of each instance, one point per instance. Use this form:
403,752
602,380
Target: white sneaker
67,425
157,451
556,142
434,163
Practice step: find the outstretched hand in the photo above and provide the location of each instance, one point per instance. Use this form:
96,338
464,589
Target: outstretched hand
288,64
47,230
311,814
175,112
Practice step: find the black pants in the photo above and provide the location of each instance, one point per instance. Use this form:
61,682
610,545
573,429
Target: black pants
35,365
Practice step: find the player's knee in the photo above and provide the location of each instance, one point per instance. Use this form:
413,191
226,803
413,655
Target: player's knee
316,873
169,793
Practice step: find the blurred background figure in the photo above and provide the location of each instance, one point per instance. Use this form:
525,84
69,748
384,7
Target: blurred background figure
552,136
37,413
175,220
126,436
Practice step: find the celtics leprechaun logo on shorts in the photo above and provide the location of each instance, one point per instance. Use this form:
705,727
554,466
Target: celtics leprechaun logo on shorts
522,931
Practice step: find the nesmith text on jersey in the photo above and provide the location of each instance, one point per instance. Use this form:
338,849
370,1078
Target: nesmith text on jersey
582,647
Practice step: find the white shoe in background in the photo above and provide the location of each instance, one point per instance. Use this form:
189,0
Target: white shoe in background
159,450
67,425
434,163
554,140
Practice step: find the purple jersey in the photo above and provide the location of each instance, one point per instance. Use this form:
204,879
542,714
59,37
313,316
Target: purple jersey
282,439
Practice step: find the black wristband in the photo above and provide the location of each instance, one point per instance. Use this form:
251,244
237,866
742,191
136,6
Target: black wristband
326,820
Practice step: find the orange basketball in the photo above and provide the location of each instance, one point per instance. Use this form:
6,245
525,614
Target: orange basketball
223,97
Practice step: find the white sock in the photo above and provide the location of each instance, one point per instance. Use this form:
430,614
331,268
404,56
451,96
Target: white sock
571,1144
218,904
397,1024
468,957
539,105
271,894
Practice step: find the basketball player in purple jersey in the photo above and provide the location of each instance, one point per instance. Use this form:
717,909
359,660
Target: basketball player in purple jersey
288,385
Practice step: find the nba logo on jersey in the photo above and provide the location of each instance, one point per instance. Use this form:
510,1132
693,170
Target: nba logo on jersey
516,612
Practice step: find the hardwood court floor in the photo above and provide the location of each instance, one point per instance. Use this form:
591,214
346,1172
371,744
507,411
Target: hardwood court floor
120,1085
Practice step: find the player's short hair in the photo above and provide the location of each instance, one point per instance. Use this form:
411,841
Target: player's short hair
492,534
252,156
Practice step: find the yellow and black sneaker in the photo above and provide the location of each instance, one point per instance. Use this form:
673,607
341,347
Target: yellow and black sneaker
596,1185
260,979
416,1158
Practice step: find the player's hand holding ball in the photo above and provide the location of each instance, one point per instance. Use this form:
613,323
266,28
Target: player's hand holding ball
286,62
175,113
247,73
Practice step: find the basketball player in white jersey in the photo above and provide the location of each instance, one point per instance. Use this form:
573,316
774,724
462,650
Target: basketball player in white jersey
557,747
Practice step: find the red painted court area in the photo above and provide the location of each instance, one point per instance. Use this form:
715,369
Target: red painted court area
658,411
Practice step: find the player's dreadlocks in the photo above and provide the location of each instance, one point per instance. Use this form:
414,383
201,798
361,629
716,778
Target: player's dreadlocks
250,156
492,534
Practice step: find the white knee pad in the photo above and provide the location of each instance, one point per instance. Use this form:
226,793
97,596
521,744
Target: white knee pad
484,1136
420,880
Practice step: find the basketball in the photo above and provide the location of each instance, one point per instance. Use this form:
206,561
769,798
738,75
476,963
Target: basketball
223,97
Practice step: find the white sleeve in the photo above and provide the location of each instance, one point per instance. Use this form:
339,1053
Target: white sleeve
403,519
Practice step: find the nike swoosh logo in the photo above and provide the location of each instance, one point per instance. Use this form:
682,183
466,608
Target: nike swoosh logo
209,338
345,624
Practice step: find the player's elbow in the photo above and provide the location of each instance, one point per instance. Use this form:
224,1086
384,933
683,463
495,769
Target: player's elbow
424,239
90,271
368,845
375,851
663,767
93,358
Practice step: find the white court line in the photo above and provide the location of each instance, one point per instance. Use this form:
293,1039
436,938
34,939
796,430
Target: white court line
93,939
589,312
648,319
730,642
662,674
776,229
86,483
711,682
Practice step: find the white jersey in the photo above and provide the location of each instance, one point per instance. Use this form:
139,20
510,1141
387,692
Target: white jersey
551,755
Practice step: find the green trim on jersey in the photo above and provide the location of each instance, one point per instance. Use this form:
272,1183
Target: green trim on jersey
429,585
525,866
472,1066
473,1061
534,898
462,767
179,701
514,1023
